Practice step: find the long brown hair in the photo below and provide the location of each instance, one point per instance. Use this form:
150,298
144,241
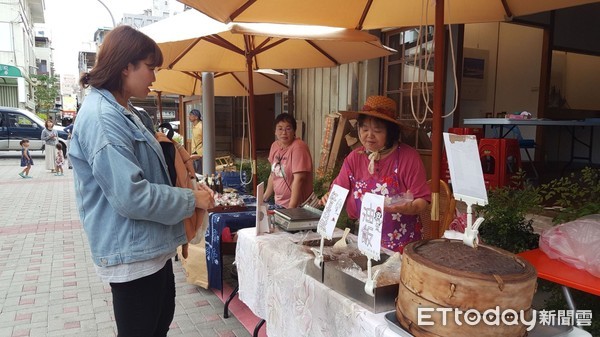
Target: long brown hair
122,46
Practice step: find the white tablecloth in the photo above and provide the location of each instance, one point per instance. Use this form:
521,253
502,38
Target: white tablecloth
274,286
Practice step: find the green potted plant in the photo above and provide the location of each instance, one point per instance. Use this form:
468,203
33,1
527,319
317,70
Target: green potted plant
505,224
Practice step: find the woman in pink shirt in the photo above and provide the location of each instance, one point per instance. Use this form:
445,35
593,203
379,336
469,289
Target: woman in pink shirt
386,167
291,178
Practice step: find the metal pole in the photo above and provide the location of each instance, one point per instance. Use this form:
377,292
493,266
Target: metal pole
109,12
208,123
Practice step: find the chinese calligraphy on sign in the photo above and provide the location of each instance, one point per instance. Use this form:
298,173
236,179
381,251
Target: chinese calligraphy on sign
371,221
332,211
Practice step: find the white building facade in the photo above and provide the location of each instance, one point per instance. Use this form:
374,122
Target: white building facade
17,51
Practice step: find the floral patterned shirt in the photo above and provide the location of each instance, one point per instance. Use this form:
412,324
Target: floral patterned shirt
401,171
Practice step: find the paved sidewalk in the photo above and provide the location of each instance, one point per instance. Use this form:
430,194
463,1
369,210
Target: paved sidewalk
48,286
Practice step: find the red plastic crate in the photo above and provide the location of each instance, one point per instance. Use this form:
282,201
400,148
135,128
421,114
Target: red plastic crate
478,132
500,160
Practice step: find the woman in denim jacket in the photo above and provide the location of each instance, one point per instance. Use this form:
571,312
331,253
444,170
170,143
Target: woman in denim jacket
131,214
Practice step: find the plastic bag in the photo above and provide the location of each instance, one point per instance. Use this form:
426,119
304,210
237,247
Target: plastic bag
576,243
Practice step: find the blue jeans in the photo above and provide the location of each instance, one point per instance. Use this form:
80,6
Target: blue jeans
198,166
145,307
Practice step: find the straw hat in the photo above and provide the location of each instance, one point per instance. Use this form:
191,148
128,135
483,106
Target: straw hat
381,107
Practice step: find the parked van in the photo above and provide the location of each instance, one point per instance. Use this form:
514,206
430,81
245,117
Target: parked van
16,124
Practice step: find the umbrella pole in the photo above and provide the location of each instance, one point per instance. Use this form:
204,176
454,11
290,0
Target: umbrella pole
182,122
438,91
251,118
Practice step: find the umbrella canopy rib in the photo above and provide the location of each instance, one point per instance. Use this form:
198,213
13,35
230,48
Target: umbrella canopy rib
364,14
263,47
507,9
324,53
182,54
241,9
272,79
224,43
240,82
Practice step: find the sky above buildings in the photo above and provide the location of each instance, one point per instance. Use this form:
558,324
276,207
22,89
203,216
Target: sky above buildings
72,24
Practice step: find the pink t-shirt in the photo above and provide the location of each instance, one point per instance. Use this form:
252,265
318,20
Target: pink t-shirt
284,163
400,171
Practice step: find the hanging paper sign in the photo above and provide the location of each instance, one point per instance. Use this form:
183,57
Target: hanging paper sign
464,163
332,211
371,223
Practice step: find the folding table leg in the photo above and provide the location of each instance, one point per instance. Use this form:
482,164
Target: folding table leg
231,296
257,328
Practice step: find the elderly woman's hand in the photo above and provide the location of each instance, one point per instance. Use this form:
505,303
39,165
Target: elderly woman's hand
410,208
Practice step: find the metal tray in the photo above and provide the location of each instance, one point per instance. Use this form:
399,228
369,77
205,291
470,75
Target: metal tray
394,325
348,285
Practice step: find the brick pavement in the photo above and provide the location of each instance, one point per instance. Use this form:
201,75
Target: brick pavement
48,286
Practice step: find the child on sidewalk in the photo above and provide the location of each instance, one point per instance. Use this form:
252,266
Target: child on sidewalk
26,160
59,161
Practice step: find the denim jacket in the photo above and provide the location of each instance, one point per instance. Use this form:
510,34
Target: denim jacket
128,208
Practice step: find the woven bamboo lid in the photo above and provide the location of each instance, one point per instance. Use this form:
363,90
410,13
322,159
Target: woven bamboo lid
455,255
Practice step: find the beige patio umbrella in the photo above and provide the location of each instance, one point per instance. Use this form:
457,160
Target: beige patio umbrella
189,83
191,41
370,14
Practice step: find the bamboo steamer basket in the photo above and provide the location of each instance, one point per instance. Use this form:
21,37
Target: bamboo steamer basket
445,273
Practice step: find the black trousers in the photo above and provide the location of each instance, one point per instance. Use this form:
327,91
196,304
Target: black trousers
145,307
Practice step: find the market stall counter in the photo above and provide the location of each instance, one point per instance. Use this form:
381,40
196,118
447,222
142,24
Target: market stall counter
274,284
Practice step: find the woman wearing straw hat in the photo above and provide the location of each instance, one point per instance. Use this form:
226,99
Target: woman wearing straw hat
385,166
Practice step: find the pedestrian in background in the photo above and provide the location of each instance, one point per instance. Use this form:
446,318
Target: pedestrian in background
131,214
196,119
50,137
26,160
60,160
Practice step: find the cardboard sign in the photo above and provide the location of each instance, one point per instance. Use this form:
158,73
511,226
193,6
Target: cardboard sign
371,223
332,211
465,168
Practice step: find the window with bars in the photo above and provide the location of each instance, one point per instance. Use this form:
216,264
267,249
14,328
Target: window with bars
408,79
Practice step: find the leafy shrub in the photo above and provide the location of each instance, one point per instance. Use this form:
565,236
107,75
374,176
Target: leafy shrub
505,225
577,194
